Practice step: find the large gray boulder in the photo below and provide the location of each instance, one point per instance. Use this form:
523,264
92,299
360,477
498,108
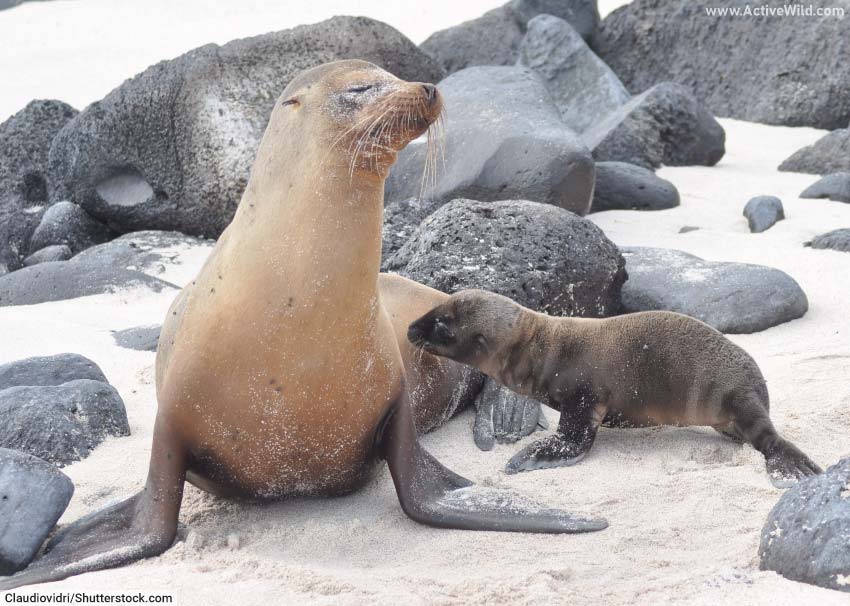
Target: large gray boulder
774,69
807,534
172,147
622,186
68,224
539,255
61,423
401,218
835,187
25,140
504,139
148,251
49,371
61,280
837,239
665,125
33,496
584,89
828,154
55,252
732,297
495,37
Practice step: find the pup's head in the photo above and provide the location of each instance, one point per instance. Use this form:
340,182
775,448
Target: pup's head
470,327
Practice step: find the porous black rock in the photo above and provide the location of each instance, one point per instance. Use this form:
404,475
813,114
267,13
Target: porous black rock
33,496
49,371
172,147
806,536
762,213
63,423
57,252
140,338
26,138
494,38
68,224
666,125
504,139
584,89
837,239
734,298
829,154
834,187
539,255
623,186
401,218
775,69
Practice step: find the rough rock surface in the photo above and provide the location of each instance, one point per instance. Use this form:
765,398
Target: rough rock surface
664,125
401,218
57,252
494,38
789,70
584,89
140,338
762,213
622,186
33,496
26,139
837,239
48,371
828,154
807,533
146,251
172,147
732,297
835,187
539,255
504,139
61,423
68,224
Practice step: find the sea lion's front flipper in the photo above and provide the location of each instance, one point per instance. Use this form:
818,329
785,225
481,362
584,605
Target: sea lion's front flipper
434,495
139,527
504,416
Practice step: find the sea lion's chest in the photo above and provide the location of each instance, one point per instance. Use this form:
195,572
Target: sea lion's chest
281,400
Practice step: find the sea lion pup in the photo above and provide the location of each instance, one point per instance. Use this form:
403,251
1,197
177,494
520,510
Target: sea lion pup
279,371
648,368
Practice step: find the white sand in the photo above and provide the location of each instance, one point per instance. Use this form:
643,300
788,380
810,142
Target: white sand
685,506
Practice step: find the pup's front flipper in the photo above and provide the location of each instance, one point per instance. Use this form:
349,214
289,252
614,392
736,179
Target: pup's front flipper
580,418
434,495
552,451
504,416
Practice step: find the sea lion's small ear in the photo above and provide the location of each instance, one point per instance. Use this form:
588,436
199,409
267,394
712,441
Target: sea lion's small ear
291,101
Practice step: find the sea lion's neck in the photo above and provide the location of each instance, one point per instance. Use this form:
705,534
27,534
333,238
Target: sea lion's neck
311,230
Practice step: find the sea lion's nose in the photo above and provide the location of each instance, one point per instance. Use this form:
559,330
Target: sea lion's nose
430,92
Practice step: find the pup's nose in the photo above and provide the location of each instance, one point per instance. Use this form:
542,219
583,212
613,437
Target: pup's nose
430,92
415,333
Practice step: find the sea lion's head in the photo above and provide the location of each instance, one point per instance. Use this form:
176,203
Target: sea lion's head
470,327
356,113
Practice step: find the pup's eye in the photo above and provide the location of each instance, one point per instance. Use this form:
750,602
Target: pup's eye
360,89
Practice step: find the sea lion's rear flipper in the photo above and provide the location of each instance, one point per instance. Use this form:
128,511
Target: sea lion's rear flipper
139,527
504,416
434,495
788,464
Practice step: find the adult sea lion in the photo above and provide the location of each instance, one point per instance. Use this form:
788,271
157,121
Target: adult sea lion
639,369
279,371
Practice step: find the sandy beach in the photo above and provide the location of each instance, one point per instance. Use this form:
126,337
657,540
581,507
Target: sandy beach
685,506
